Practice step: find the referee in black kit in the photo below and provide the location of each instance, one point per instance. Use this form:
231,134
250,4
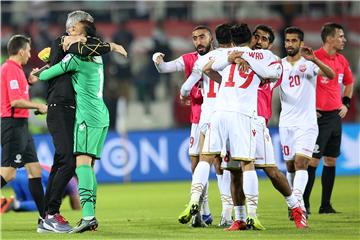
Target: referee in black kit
332,104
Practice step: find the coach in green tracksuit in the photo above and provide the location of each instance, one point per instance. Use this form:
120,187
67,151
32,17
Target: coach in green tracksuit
91,122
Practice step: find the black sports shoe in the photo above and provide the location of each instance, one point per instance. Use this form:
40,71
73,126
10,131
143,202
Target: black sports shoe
327,209
308,210
85,225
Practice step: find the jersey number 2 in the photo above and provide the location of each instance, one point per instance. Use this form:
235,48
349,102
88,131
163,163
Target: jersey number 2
294,80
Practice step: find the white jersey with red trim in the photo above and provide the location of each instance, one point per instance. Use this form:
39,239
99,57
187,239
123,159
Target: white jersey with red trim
238,89
209,88
298,93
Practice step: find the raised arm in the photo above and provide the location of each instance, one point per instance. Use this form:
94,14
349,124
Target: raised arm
92,47
176,65
325,70
266,67
66,65
213,75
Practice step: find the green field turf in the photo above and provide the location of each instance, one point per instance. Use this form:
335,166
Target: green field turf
150,211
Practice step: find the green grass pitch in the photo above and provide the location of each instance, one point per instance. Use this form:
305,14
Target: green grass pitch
150,211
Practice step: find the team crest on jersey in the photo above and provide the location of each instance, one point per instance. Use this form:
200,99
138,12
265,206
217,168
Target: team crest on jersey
302,67
324,80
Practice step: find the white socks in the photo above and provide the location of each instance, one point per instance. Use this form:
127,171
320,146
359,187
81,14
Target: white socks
290,177
226,199
205,209
200,178
292,201
300,181
240,213
251,191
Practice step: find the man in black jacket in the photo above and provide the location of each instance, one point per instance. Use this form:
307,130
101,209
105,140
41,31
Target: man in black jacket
60,120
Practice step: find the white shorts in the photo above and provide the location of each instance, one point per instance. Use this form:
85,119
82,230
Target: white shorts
205,118
235,128
194,141
298,141
264,153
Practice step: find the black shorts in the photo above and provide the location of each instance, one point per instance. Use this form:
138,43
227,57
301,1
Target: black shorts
17,145
329,139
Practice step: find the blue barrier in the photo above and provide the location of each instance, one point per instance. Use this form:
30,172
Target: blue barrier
163,155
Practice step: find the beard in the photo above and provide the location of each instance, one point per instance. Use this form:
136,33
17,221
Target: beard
292,51
204,49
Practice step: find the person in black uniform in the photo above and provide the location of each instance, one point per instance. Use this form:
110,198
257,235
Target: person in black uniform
61,118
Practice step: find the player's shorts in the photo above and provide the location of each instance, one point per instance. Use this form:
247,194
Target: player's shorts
264,152
298,141
329,139
89,140
205,119
194,142
17,144
234,127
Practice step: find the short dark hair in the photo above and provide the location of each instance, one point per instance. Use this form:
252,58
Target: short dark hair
202,27
329,29
223,34
16,43
240,33
295,30
89,28
266,29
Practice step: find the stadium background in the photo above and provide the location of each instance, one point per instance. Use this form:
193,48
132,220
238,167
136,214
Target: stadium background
149,127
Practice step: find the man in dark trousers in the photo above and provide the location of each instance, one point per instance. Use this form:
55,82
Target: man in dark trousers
331,105
18,149
61,117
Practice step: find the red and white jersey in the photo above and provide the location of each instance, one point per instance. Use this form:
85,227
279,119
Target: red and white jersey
298,93
265,92
185,63
209,87
238,90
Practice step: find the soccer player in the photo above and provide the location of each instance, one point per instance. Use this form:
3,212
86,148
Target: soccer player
235,103
90,126
210,89
202,40
23,200
331,108
61,118
17,145
263,38
297,125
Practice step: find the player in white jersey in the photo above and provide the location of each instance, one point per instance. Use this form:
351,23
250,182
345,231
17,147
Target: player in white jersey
210,90
263,37
232,121
202,40
298,123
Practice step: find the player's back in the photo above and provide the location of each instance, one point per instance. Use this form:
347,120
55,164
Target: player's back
298,93
210,88
238,89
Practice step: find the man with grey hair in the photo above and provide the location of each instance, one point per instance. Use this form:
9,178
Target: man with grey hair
77,16
61,118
